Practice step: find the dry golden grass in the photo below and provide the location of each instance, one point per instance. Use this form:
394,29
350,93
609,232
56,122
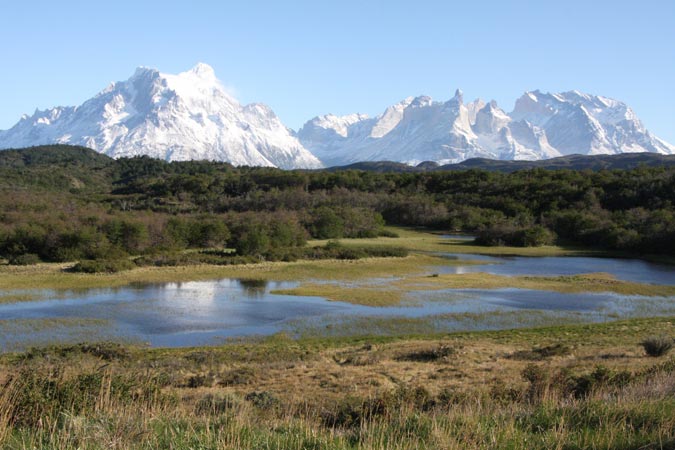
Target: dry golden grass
318,369
285,394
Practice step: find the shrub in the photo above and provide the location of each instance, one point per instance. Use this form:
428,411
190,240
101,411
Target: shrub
240,376
27,259
657,345
196,381
334,249
539,382
428,355
584,385
326,224
534,236
348,413
509,234
262,400
540,353
103,266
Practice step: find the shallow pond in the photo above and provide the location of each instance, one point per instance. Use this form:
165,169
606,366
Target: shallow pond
206,312
623,269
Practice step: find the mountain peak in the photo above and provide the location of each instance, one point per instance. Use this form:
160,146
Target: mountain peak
188,116
144,72
421,101
457,100
203,70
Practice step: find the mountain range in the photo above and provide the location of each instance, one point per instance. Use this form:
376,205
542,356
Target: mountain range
541,126
192,116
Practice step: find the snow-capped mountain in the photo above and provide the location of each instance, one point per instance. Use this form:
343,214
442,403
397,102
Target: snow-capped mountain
173,117
540,126
192,116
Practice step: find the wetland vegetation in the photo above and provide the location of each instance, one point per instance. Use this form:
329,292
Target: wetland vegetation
590,386
570,359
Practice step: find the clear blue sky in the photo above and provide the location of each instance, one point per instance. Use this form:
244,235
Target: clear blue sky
305,58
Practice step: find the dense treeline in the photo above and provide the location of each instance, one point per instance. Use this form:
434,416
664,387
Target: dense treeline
63,204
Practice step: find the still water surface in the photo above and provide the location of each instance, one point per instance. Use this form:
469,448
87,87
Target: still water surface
206,312
623,269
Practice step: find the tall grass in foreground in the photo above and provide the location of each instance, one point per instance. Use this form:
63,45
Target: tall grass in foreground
92,409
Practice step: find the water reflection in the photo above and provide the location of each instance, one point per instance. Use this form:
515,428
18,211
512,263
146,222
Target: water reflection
203,312
459,237
623,269
254,288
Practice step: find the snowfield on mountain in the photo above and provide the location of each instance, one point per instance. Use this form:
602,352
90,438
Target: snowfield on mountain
191,116
188,116
541,126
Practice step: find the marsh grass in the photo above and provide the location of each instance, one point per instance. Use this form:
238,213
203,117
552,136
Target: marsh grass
411,269
317,393
49,324
56,276
369,295
393,292
14,297
593,282
425,241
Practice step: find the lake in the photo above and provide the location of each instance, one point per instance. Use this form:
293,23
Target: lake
623,269
208,312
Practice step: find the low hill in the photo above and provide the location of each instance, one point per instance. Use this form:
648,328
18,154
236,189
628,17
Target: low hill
50,155
574,162
625,161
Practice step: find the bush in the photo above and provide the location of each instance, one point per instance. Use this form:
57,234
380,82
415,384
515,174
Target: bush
103,266
657,345
540,353
326,224
237,377
196,381
441,352
263,400
27,259
539,382
107,351
535,236
335,250
508,234
584,385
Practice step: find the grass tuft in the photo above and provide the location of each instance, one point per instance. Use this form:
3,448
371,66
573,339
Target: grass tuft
657,345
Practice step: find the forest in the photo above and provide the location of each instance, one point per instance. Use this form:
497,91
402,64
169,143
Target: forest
62,203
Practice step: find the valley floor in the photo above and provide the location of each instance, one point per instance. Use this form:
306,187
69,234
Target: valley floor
567,387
